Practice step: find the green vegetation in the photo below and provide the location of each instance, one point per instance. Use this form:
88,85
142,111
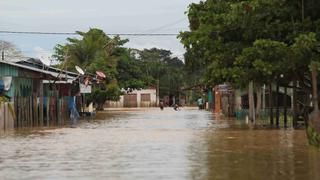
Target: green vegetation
126,69
259,41
158,64
313,136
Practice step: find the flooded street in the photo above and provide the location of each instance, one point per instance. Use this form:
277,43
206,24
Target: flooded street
154,144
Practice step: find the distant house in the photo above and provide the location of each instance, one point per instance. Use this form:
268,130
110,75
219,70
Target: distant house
136,98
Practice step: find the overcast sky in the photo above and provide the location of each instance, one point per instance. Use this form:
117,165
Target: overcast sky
112,16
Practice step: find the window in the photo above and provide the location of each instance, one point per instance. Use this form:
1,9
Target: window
145,97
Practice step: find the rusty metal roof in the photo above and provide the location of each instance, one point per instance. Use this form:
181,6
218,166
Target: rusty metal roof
43,71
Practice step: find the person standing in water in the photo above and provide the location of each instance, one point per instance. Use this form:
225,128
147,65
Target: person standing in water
74,115
176,107
200,103
161,105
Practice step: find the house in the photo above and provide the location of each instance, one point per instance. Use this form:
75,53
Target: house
136,98
36,93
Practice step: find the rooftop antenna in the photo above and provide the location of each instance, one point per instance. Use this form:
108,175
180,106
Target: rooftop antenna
80,71
100,74
45,60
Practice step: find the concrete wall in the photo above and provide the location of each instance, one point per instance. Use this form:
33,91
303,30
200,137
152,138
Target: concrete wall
151,103
153,97
115,104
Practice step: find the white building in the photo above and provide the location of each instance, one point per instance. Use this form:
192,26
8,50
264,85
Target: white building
137,98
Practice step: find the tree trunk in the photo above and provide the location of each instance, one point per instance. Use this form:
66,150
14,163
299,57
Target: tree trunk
285,107
251,103
259,93
315,115
271,104
313,130
294,105
100,107
277,107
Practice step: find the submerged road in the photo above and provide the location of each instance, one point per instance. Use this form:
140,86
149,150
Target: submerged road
154,144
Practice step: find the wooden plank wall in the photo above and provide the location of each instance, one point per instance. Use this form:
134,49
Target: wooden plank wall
36,107
27,110
6,116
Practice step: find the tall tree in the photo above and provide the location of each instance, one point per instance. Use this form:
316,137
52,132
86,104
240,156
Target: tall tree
93,51
9,52
224,32
168,71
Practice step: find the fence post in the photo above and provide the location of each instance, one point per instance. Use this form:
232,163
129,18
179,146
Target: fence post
2,116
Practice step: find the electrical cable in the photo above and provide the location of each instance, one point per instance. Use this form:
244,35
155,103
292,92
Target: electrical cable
68,33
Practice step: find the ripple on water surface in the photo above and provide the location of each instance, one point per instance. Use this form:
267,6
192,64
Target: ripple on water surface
145,144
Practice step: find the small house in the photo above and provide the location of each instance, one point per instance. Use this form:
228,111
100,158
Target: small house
136,98
36,93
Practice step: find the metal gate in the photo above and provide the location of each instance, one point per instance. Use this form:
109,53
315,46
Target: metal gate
130,100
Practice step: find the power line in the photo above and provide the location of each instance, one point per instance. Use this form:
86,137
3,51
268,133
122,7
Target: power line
68,33
165,26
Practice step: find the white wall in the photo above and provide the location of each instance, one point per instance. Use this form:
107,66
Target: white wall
120,103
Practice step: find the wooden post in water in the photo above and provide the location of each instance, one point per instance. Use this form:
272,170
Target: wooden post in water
16,104
2,118
48,110
30,112
15,110
23,115
41,103
8,116
27,105
4,113
19,111
59,108
34,109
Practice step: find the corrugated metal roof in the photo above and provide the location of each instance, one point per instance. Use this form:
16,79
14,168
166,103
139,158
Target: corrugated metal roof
38,64
50,73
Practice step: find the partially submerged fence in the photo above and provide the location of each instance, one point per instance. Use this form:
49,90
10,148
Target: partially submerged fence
35,111
7,116
264,117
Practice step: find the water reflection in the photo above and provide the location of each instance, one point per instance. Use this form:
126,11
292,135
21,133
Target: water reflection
154,144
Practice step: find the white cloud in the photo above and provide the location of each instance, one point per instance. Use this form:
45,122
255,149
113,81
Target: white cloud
121,16
43,55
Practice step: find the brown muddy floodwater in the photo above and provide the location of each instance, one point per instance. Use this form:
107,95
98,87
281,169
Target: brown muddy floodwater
153,144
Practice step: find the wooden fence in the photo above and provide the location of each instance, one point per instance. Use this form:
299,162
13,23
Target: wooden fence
6,116
34,111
